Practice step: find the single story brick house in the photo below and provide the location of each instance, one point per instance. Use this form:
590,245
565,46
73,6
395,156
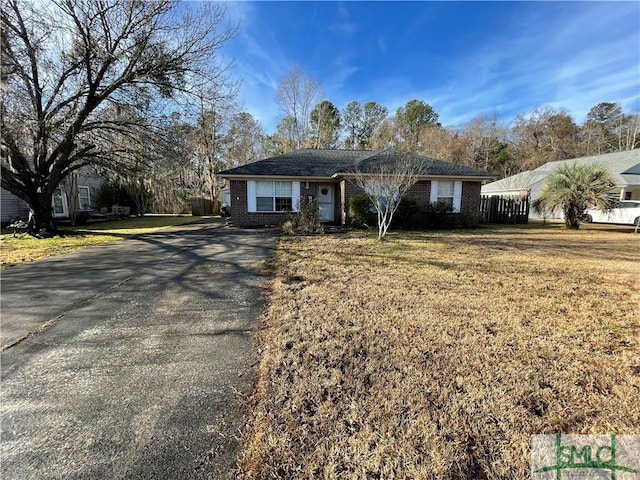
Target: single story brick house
263,192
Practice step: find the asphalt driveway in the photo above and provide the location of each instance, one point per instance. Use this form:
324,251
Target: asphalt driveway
125,361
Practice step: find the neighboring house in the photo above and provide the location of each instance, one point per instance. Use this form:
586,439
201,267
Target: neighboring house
263,192
12,207
225,196
624,168
88,185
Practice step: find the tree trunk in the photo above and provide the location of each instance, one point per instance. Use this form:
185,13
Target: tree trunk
572,216
41,221
71,184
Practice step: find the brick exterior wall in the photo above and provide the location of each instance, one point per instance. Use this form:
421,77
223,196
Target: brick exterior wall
306,192
420,192
347,190
470,201
239,208
470,197
239,205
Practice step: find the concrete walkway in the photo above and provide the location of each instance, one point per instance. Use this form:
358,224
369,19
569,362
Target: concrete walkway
125,361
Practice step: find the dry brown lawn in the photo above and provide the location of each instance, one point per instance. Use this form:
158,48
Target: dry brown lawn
437,355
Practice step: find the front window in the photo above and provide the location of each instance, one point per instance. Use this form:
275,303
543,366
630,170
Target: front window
84,200
445,192
273,196
58,207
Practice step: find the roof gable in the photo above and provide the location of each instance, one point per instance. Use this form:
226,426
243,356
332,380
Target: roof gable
624,168
617,163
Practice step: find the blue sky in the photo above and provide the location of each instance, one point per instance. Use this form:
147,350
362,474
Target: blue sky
463,58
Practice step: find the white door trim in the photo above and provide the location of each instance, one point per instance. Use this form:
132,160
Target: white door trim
326,202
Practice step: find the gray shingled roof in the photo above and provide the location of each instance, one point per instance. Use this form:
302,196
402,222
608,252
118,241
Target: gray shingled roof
428,166
516,183
624,168
309,163
301,163
617,163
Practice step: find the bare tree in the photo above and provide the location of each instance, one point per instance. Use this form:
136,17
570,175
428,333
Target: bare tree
386,178
627,131
70,187
174,173
66,62
297,94
440,143
479,135
545,135
215,110
388,135
244,140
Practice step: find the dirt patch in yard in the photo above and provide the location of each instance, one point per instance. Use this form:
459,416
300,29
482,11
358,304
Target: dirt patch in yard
438,355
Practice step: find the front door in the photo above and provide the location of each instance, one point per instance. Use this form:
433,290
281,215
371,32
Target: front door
326,205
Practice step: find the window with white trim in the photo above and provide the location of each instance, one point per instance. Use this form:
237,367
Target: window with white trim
274,197
445,192
58,202
84,199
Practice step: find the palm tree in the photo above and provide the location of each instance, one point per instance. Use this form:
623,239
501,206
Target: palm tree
574,188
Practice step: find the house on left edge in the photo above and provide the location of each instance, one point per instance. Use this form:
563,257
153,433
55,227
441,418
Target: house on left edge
88,185
264,192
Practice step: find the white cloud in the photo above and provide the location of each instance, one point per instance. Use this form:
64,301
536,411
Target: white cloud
343,24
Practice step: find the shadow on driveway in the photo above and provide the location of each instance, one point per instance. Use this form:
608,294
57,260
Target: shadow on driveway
146,344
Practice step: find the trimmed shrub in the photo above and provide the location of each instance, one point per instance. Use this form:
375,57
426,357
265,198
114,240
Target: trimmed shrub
410,216
469,219
438,215
407,215
361,211
304,221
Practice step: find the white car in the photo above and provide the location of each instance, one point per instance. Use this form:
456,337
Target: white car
627,212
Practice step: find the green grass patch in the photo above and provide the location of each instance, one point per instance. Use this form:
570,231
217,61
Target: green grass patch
24,248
